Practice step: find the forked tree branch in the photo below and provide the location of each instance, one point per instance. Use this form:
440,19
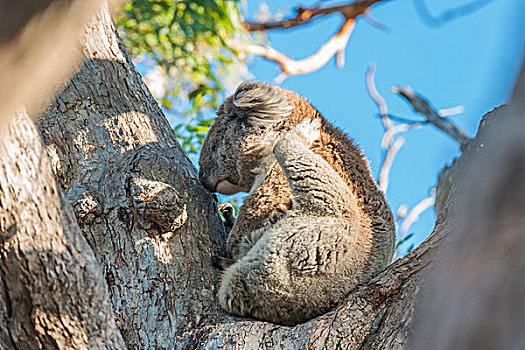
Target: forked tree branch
415,212
334,46
304,15
390,143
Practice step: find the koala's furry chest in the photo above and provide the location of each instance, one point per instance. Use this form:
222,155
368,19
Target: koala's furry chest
270,202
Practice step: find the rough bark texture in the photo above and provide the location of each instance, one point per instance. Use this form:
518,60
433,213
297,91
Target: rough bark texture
52,295
153,229
136,195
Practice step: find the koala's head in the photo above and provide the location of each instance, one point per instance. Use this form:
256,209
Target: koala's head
239,140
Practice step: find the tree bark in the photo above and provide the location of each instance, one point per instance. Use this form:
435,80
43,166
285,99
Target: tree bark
153,229
136,195
52,292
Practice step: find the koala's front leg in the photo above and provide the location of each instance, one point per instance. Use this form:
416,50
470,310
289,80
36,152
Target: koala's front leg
315,185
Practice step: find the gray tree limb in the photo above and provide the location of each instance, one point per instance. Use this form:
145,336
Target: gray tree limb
421,106
52,292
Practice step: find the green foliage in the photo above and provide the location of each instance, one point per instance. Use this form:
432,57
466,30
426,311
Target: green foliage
192,134
186,41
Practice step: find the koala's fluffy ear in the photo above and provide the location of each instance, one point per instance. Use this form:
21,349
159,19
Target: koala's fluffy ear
261,103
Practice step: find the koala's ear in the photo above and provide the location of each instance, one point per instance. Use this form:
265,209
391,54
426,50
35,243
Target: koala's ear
261,103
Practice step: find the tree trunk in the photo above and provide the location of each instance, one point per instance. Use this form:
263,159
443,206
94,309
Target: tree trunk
52,292
136,195
153,229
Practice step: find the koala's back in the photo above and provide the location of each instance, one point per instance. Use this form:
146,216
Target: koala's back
273,199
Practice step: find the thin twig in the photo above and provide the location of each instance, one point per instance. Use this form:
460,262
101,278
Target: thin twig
375,23
404,120
397,129
378,99
384,174
420,105
415,212
448,15
448,112
390,142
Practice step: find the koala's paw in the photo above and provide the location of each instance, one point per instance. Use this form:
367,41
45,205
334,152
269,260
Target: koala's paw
269,141
228,214
309,130
233,296
221,262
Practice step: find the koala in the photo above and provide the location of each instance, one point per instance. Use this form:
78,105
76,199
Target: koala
314,224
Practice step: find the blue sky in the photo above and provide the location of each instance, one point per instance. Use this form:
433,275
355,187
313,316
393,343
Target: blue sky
471,61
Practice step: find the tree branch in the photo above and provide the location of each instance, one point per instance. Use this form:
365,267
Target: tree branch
421,106
304,15
388,160
413,214
289,66
390,143
448,15
334,46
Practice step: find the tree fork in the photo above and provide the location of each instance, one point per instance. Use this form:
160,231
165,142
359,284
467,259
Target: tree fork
153,229
106,135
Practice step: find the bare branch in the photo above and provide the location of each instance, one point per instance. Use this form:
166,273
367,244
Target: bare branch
421,106
378,99
304,15
390,143
288,65
375,23
384,174
336,45
415,212
280,78
397,129
447,112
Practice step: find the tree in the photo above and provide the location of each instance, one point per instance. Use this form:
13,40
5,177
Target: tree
153,228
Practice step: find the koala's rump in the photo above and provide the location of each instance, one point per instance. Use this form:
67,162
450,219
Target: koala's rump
299,269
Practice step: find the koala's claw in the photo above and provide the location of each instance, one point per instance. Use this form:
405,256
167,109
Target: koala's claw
228,213
220,262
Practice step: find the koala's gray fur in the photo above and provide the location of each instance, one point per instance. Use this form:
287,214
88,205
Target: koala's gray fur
314,224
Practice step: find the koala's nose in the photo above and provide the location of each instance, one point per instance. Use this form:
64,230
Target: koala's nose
201,176
204,180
